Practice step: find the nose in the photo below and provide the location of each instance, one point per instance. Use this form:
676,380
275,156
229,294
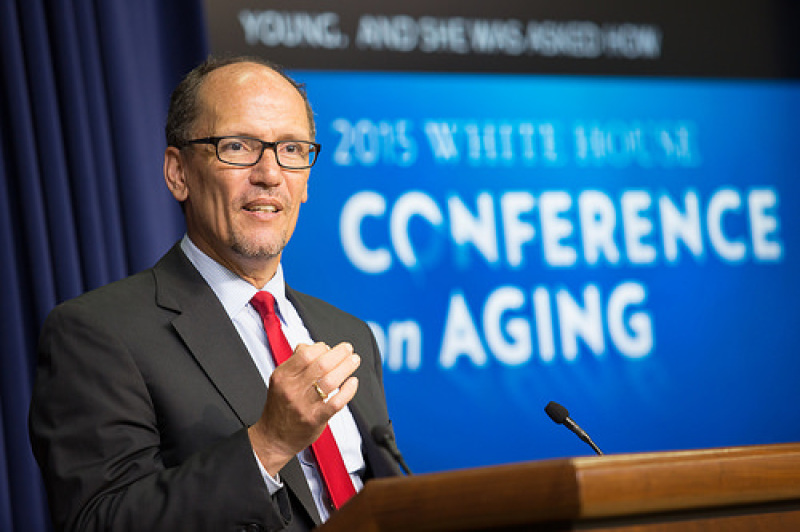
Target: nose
266,171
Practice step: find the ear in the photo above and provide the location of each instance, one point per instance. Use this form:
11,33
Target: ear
304,198
175,174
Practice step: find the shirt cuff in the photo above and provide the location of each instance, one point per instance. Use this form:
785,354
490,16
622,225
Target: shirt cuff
273,484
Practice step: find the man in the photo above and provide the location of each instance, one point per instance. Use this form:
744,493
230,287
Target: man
157,404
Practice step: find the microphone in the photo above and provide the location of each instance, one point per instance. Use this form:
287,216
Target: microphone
560,415
384,437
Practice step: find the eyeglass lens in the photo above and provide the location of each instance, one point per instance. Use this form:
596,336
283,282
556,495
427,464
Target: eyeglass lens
243,150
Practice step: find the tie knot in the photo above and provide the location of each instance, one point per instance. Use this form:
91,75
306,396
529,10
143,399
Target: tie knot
263,302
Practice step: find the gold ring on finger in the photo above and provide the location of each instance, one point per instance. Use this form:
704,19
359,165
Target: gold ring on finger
319,390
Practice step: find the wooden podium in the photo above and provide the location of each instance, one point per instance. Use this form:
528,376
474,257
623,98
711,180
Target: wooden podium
738,488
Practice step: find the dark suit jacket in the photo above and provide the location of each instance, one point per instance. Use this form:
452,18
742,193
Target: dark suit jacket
143,395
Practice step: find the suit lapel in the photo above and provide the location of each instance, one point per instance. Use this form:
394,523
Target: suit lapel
210,336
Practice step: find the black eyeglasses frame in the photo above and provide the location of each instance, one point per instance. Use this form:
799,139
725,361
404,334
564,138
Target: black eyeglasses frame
214,141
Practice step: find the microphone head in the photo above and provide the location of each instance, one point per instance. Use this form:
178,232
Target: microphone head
557,413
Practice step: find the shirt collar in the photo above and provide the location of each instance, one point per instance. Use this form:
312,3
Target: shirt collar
232,291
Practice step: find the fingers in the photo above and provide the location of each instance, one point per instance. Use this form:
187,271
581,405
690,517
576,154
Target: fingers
333,368
326,367
345,394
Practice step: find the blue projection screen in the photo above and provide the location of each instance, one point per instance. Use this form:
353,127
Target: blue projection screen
624,246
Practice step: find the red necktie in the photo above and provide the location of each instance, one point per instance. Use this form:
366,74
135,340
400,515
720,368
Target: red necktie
334,473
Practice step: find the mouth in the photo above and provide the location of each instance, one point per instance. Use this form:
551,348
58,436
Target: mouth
263,206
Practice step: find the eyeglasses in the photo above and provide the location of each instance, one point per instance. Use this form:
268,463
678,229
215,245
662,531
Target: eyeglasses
247,151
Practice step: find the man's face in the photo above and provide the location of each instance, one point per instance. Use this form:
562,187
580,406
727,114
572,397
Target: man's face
242,216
